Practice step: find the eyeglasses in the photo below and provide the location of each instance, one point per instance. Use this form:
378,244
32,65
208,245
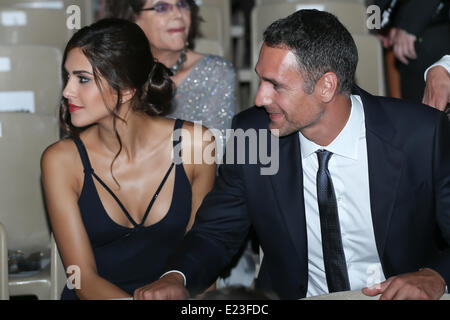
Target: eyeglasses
164,7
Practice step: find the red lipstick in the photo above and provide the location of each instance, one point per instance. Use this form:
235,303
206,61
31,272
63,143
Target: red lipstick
73,107
175,30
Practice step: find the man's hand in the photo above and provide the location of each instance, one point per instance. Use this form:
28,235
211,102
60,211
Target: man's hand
437,89
404,46
425,284
388,39
169,287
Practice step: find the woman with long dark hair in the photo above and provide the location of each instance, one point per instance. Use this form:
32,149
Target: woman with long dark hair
119,191
205,83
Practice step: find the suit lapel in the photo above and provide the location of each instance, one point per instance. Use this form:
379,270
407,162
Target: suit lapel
288,189
385,162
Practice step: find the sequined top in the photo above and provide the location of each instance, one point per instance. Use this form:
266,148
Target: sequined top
207,94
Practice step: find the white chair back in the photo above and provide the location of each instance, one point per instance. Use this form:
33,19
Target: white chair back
30,26
217,24
30,79
23,138
209,46
370,73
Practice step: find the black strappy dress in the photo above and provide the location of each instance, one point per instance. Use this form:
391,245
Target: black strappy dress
132,257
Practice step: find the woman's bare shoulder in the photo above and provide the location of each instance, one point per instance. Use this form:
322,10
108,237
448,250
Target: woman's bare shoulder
66,149
61,166
62,152
197,138
194,136
197,130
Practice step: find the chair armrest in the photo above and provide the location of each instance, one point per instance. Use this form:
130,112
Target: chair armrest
4,294
57,272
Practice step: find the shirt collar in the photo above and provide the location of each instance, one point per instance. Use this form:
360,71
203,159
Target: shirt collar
346,143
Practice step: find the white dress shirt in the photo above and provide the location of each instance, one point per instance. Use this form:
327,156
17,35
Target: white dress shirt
444,62
349,171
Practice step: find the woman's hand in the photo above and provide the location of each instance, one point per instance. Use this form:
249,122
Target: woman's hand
169,287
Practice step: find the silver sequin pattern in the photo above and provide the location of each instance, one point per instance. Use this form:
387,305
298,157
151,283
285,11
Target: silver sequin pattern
207,94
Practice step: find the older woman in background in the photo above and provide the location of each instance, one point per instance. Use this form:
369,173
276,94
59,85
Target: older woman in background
205,83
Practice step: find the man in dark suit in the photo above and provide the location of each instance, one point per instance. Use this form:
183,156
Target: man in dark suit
420,35
362,192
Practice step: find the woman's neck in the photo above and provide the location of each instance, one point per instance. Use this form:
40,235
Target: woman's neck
133,134
167,58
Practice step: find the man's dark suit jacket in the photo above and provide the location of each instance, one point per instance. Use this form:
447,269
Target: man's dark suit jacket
408,150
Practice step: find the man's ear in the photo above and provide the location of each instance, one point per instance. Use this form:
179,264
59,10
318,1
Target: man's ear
327,86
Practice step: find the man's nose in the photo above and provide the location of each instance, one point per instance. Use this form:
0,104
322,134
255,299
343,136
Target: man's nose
262,96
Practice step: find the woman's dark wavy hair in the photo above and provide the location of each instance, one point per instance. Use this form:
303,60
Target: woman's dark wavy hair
119,52
130,9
